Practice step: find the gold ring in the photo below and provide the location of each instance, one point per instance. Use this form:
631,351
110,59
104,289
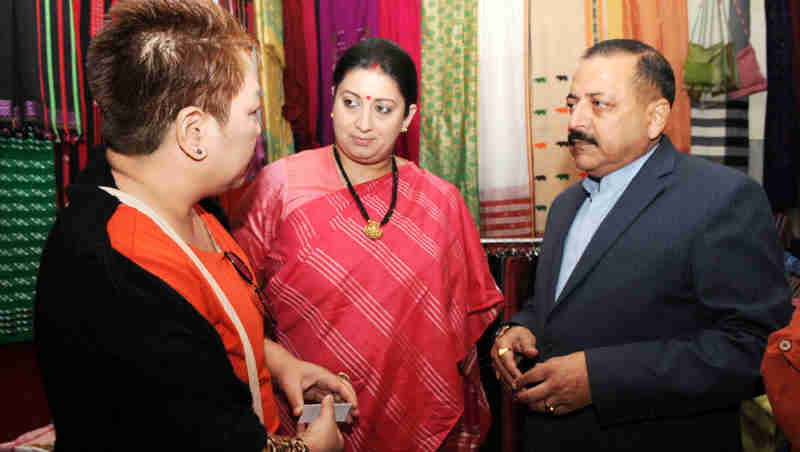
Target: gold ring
343,376
549,409
502,351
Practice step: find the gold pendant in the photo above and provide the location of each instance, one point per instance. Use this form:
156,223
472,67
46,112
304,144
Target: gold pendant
373,230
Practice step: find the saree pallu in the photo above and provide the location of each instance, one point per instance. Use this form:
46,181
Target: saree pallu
400,315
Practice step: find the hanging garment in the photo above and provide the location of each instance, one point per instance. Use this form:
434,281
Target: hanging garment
664,25
751,80
27,210
276,131
504,175
19,89
312,63
342,23
720,131
399,21
781,158
560,33
449,95
295,76
719,125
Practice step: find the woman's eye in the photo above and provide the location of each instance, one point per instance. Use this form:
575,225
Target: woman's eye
383,109
348,102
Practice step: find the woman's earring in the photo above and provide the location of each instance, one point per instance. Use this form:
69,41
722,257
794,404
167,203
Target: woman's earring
331,115
197,154
404,129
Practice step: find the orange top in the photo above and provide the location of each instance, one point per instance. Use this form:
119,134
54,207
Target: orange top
138,238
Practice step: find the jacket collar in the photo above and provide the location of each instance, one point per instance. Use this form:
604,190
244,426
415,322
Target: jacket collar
648,184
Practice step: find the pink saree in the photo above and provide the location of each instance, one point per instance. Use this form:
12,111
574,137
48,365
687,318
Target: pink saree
400,315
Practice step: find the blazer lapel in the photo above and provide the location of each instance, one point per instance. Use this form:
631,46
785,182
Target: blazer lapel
643,189
574,197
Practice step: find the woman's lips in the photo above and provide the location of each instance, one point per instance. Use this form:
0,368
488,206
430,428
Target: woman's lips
362,141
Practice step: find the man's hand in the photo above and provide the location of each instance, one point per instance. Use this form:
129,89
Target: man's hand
508,351
561,385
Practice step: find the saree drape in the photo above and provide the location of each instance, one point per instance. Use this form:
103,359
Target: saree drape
400,315
503,151
449,95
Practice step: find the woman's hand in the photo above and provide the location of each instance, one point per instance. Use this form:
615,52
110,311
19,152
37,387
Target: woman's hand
304,381
323,435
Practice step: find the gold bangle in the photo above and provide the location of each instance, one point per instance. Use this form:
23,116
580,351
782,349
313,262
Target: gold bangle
278,443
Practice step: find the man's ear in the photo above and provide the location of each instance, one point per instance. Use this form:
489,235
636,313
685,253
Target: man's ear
189,132
658,114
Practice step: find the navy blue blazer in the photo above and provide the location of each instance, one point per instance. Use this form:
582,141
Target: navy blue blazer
672,302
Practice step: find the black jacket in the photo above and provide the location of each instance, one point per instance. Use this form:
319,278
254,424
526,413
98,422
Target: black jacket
672,302
127,362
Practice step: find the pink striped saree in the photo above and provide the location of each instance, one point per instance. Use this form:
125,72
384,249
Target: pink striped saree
400,315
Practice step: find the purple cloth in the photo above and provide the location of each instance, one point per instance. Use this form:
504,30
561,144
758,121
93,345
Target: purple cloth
342,23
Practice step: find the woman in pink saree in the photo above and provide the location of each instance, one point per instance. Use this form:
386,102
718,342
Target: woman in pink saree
374,267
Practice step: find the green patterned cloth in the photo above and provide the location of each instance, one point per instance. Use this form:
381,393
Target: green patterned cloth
277,132
27,211
449,95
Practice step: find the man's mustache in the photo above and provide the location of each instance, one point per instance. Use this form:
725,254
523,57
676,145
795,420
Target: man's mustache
580,136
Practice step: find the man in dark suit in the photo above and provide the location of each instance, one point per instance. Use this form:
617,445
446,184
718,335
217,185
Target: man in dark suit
659,280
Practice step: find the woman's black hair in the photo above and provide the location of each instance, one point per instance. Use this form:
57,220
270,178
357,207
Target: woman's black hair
391,58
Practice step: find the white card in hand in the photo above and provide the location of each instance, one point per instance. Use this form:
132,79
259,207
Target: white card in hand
311,412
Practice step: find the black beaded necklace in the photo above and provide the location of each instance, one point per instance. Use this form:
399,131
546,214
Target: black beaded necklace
372,228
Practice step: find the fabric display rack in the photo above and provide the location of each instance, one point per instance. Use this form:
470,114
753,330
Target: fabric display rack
27,211
512,262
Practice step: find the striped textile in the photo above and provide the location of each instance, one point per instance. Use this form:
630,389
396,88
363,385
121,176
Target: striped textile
400,315
39,440
503,157
719,126
720,131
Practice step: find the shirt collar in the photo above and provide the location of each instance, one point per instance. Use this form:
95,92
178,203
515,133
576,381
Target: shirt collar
619,178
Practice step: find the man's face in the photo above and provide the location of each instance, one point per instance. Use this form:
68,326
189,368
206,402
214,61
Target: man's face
609,126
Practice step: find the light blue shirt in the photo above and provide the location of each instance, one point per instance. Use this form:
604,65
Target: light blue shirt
601,198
